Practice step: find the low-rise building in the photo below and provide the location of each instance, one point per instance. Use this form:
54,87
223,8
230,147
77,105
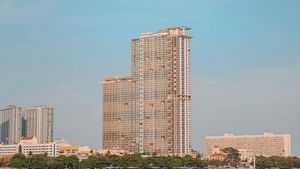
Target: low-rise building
80,152
29,145
268,144
246,155
118,152
216,154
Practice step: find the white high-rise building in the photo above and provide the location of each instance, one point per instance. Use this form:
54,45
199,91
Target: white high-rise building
38,122
10,128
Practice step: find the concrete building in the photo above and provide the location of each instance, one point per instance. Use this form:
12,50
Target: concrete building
117,152
10,128
246,155
38,122
120,128
30,144
82,152
216,154
153,106
267,144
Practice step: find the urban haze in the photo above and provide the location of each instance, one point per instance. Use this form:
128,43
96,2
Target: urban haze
245,61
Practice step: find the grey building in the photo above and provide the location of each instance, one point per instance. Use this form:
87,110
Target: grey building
10,124
38,122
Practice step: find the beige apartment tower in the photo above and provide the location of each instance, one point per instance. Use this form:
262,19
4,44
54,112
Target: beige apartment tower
10,128
38,122
151,110
120,127
268,144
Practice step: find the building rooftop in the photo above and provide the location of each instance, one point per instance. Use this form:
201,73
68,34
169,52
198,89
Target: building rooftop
176,30
179,27
27,138
265,134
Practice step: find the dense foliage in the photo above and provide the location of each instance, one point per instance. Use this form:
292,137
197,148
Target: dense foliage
277,162
98,161
261,162
232,157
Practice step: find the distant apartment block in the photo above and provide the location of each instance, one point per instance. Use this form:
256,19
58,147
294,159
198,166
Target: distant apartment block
268,144
38,122
10,128
150,111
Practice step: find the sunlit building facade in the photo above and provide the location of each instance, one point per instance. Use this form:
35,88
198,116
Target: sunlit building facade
268,144
159,96
120,127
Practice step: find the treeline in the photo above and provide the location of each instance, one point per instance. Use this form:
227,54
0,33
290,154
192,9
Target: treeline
261,162
98,161
277,162
42,161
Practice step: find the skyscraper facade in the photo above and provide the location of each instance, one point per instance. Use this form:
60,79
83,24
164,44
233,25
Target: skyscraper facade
38,122
10,128
119,119
160,96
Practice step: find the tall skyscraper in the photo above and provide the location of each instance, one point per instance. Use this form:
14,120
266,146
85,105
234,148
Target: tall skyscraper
38,122
159,97
10,128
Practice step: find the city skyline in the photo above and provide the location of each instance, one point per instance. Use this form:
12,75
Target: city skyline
245,64
17,123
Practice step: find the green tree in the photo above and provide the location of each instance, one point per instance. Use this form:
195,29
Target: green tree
188,161
66,162
18,161
90,162
102,161
232,157
39,161
176,162
215,163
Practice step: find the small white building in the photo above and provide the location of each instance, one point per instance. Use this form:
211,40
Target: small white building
29,145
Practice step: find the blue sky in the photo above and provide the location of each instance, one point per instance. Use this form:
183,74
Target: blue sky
245,60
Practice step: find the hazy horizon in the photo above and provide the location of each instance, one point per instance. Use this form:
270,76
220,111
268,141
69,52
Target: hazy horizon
245,61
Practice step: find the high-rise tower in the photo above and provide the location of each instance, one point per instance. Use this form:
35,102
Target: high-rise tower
10,128
160,98
38,122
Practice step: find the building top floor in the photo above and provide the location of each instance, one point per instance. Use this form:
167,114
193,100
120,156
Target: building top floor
265,134
177,30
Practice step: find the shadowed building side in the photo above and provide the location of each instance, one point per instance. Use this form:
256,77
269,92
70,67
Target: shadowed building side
38,122
10,124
